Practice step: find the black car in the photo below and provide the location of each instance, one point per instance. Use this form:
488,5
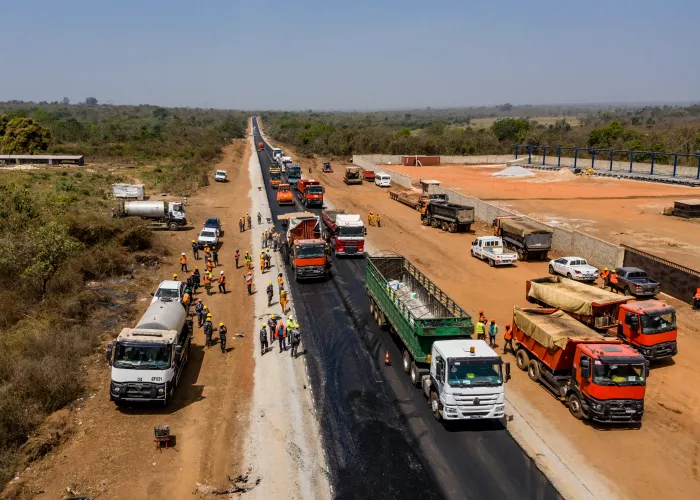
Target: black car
213,223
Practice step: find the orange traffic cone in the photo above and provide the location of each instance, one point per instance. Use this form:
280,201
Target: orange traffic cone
387,361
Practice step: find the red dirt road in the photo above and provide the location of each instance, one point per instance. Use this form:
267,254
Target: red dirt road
615,210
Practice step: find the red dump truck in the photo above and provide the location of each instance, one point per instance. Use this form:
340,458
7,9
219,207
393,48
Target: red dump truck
261,146
346,232
599,377
649,326
307,253
310,192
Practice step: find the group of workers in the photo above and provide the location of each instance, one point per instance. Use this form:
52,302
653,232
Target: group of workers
608,278
280,331
374,219
243,221
484,327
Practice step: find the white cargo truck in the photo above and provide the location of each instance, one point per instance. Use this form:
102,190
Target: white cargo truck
466,380
168,214
147,360
490,248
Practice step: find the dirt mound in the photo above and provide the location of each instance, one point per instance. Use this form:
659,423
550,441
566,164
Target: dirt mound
514,171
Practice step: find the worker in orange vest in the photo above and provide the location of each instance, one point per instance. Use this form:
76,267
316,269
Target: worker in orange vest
613,279
604,276
207,282
237,256
696,300
508,337
281,334
262,262
222,283
249,282
370,219
283,300
183,263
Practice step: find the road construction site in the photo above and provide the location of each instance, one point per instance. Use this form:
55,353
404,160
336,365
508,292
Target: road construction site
652,466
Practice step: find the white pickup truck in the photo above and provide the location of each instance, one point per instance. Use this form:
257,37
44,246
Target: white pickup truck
491,248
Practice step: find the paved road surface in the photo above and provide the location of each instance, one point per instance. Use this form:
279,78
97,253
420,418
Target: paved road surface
379,434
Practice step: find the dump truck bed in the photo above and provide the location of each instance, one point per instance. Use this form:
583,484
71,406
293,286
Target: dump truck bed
522,227
572,296
552,335
419,310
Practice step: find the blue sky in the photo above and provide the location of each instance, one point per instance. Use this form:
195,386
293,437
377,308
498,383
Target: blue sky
310,54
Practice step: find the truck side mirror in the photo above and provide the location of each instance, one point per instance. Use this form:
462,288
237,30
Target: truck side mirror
585,369
178,350
634,323
108,354
507,372
364,231
152,294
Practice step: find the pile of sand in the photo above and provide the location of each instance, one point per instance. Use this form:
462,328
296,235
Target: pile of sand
514,171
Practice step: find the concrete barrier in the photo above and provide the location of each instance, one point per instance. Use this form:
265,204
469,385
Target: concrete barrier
599,253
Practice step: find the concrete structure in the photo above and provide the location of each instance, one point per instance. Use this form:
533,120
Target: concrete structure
42,159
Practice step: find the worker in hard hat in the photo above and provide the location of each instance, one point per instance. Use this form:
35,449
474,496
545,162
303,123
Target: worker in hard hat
283,300
174,276
195,250
696,300
270,292
604,277
222,336
295,339
263,339
508,340
208,330
222,283
183,263
613,280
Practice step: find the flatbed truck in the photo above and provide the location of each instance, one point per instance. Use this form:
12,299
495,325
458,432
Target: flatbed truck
462,378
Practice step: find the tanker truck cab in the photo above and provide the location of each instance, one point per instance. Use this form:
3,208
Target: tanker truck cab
650,327
609,382
466,380
147,361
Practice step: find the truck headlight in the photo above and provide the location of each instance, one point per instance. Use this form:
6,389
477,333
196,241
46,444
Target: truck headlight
161,390
597,406
450,409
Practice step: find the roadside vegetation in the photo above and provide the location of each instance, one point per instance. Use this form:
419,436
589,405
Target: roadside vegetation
462,131
66,266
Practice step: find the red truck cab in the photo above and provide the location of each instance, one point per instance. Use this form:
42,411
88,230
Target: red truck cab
307,254
368,175
600,378
310,192
650,327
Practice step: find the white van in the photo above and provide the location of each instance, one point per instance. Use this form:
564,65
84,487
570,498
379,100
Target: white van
382,180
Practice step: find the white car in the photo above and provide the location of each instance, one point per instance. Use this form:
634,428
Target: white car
168,291
574,268
220,176
209,237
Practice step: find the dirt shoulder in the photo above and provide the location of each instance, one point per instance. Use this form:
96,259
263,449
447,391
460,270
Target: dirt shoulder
658,460
112,453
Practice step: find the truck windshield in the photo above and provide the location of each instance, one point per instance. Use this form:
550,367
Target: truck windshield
315,189
293,171
470,372
310,252
275,176
664,321
350,231
168,293
611,374
155,357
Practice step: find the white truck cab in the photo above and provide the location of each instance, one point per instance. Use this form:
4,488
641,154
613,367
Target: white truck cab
382,179
466,380
276,153
147,360
490,248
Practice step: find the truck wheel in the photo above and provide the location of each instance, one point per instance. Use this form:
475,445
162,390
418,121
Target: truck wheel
435,406
445,226
533,370
522,359
568,275
406,361
296,275
173,226
628,291
491,264
575,406
551,269
434,223
168,396
453,227
371,306
415,374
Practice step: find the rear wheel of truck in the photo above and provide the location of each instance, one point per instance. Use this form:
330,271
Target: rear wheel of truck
371,306
435,406
575,406
415,374
434,223
522,359
445,226
453,227
406,361
533,370
173,226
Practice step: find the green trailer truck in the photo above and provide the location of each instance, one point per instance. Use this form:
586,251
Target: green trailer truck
461,378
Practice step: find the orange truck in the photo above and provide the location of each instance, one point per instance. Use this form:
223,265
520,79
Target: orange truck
307,253
310,192
599,377
275,177
261,146
284,195
649,325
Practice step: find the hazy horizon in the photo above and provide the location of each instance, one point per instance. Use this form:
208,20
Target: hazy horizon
364,56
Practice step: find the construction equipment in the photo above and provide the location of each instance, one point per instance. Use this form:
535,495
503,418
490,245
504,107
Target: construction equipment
352,175
284,195
599,377
527,237
293,174
447,216
649,326
306,252
414,199
327,169
261,146
275,177
162,213
310,192
346,232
